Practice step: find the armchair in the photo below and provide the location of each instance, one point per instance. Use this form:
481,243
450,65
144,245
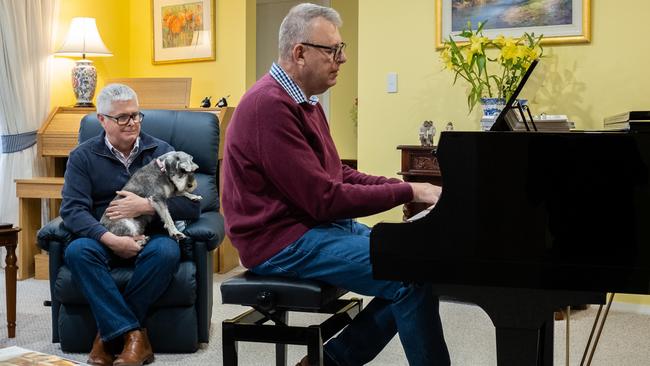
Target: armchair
180,319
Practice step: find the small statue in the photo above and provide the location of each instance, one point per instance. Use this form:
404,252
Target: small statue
449,127
205,103
223,102
427,132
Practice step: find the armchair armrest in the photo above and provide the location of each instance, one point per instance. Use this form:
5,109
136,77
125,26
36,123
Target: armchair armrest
209,228
53,231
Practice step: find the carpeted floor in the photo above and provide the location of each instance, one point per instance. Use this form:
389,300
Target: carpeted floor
468,330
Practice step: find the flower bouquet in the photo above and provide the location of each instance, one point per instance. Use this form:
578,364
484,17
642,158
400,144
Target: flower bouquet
490,73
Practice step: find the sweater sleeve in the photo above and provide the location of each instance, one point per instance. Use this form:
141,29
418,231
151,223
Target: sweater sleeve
354,176
77,203
292,165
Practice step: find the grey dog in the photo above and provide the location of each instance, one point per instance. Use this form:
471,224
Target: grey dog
171,174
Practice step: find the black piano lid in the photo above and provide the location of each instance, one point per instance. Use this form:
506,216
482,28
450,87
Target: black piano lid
562,211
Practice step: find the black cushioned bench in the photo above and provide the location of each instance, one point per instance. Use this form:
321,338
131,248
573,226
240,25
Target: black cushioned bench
271,299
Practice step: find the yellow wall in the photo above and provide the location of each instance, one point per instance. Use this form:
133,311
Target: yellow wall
224,76
587,82
125,27
343,129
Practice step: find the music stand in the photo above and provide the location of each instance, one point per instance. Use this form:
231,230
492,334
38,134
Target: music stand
508,118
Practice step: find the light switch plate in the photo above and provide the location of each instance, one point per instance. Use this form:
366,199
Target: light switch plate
391,82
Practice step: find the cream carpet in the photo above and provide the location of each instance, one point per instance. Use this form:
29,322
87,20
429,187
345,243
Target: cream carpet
468,330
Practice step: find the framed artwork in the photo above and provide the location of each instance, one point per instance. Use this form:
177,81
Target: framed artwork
183,31
560,21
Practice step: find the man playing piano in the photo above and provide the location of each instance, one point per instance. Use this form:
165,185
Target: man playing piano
288,200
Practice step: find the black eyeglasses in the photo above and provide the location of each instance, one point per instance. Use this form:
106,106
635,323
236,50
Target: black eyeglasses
124,119
335,51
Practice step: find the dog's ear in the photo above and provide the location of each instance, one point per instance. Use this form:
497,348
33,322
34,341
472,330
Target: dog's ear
171,162
188,165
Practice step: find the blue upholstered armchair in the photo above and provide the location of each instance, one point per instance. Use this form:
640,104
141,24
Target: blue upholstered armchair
180,319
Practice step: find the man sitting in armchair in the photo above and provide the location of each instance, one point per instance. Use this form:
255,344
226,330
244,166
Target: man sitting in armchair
96,170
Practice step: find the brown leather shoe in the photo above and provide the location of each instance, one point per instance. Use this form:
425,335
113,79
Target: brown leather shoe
137,349
100,355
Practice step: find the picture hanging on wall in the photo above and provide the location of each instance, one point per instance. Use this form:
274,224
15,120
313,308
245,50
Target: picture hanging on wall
183,31
560,21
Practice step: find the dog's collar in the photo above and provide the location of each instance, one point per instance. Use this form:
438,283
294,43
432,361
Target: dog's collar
161,165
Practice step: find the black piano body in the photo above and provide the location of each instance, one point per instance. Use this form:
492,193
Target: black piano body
528,223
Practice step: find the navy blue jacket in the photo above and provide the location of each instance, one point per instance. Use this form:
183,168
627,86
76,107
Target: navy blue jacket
93,175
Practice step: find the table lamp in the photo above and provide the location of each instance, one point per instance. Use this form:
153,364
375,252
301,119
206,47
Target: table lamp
83,40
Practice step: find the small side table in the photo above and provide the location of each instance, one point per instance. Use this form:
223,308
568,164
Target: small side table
30,192
419,164
9,240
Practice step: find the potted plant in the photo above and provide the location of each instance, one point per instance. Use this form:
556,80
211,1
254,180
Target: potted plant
490,73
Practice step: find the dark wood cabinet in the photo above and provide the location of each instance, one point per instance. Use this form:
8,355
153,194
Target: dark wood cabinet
419,164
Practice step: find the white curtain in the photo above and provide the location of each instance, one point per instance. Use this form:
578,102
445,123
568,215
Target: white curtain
26,29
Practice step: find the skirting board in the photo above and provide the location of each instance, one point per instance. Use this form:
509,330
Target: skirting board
631,308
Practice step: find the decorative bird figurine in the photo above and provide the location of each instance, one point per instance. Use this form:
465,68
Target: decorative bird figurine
205,103
223,102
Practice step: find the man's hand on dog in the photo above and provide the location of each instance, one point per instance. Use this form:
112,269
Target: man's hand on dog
130,206
123,246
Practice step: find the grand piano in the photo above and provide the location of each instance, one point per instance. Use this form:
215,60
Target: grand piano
527,223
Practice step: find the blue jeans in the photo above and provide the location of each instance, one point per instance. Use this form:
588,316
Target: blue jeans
117,313
338,253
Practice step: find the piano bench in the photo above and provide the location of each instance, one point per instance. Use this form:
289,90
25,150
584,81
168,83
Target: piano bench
271,299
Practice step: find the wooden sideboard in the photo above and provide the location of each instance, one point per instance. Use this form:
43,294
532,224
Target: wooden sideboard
419,164
55,139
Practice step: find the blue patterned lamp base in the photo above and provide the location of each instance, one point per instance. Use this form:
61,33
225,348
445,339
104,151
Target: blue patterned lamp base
84,81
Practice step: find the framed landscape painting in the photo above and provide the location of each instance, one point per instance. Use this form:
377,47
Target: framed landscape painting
183,31
560,21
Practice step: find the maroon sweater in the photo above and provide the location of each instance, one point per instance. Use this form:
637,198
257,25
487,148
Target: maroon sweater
282,175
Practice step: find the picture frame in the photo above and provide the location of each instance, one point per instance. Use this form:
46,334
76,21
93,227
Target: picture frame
569,20
183,31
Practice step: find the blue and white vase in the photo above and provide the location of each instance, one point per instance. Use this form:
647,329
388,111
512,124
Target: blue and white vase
492,107
84,81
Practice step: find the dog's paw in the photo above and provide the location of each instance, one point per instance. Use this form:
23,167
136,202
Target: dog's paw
194,197
142,242
178,236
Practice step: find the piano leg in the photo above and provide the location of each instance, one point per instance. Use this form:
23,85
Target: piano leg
547,344
520,347
523,318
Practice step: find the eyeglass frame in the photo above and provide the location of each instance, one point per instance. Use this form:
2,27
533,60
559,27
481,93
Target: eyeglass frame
125,123
336,51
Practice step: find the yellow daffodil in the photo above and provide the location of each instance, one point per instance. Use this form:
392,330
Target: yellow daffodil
502,41
509,53
476,46
446,58
497,77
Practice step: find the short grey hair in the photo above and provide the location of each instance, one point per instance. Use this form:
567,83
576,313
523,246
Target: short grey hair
113,93
296,25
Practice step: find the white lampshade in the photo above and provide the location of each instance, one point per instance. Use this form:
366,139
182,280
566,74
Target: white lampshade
83,40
